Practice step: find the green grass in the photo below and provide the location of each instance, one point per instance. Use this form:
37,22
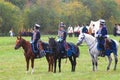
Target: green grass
13,66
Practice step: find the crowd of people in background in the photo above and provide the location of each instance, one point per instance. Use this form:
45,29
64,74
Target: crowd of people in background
25,32
76,30
72,31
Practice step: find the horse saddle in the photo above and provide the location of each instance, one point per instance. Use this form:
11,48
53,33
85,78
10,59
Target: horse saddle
67,49
40,48
39,53
108,43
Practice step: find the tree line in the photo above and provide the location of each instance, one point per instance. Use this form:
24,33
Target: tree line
23,14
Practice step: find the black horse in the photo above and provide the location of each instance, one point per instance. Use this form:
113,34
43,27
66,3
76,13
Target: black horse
59,53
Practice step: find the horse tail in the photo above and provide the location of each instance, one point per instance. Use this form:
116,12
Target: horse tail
116,46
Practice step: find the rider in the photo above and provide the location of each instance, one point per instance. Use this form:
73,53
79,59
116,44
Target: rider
62,34
102,36
35,38
84,30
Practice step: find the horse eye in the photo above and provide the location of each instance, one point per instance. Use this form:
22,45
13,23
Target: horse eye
81,37
17,41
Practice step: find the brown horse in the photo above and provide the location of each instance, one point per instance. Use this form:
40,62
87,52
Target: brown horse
29,55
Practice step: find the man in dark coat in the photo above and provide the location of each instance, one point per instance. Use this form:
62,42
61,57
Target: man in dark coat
101,36
62,34
35,38
84,30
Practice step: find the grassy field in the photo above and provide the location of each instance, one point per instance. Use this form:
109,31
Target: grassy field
13,66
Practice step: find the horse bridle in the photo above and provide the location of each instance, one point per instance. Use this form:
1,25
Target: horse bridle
89,44
82,39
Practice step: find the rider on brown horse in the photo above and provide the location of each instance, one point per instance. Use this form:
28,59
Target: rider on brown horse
35,38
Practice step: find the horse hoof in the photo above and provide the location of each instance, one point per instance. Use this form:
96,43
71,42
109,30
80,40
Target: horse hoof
114,69
26,72
108,69
54,71
72,71
59,71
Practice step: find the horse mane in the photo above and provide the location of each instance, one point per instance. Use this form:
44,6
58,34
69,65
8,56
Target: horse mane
25,45
89,35
54,45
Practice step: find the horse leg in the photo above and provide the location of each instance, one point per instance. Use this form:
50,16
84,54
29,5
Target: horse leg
32,65
52,63
55,62
27,64
74,63
96,62
93,65
72,69
116,60
110,60
93,62
59,65
47,57
49,62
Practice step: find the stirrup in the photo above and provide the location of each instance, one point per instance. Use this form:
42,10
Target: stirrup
42,53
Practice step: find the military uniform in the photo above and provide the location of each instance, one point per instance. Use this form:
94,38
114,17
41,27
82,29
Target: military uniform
101,36
62,34
35,38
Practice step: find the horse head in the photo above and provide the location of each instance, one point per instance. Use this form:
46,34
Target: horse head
80,38
52,42
19,42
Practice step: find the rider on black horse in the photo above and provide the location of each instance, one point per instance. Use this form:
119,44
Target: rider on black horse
62,34
101,37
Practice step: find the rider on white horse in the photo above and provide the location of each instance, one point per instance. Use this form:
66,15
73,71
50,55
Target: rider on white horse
101,37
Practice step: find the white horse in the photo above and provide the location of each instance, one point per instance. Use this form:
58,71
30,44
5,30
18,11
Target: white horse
94,52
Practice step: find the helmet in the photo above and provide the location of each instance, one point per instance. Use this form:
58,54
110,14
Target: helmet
61,24
37,26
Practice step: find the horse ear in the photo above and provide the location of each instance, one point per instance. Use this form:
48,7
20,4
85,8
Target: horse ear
17,37
20,36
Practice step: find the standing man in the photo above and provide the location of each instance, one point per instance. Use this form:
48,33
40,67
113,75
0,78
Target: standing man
70,31
11,32
115,30
93,31
101,36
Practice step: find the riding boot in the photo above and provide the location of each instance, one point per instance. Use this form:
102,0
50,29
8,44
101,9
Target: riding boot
42,53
